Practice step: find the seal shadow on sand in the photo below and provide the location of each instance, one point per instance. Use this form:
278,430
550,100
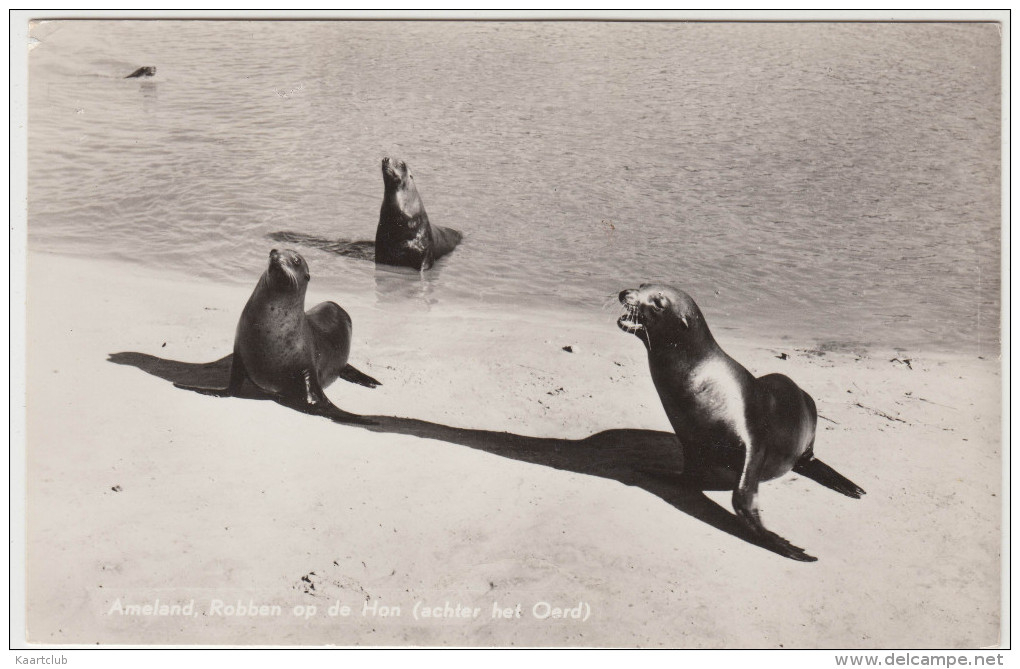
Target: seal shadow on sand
621,455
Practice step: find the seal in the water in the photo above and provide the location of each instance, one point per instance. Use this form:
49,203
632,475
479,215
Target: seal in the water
147,71
729,423
287,352
404,236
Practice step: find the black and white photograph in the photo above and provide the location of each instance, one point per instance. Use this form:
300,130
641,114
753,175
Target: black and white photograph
597,332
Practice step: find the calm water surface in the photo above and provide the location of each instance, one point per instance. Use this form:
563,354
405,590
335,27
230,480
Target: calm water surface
835,183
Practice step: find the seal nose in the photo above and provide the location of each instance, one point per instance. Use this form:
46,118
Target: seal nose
625,296
274,254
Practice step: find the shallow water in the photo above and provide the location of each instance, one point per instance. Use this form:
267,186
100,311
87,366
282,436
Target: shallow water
837,183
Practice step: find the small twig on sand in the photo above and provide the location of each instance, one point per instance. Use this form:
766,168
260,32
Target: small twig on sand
827,418
879,413
902,361
930,402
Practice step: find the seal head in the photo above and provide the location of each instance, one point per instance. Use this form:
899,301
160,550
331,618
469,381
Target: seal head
663,313
287,273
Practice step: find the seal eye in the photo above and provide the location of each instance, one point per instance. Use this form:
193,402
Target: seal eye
658,303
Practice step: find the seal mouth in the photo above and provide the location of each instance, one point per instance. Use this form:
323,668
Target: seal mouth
393,170
291,266
631,321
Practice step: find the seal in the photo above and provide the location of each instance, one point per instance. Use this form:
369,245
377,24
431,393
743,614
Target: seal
404,236
732,426
147,71
286,352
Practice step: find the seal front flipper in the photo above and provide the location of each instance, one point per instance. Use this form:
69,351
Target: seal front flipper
318,404
818,471
745,503
779,545
338,415
349,373
237,377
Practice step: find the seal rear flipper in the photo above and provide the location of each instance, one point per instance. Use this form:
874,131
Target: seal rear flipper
818,471
444,240
349,373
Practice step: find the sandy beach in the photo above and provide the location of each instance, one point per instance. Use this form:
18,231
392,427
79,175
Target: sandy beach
504,471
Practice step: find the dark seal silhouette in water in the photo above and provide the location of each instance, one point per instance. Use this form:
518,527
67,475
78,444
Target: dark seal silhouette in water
405,237
732,426
359,250
287,352
147,71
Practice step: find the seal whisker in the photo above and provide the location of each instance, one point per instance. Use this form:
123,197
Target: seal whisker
610,301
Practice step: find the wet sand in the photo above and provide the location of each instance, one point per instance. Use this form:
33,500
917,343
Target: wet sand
503,470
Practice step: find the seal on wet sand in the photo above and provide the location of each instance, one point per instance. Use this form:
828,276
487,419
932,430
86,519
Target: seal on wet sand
732,426
404,236
286,352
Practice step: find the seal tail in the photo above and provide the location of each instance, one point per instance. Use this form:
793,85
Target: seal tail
818,471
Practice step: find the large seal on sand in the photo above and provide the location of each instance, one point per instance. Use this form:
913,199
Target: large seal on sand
404,236
287,352
731,425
